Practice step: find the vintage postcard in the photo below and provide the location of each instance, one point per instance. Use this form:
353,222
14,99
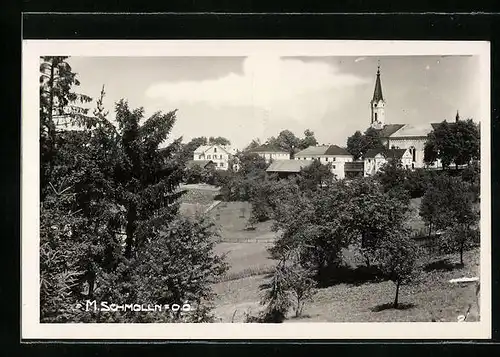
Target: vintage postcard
277,189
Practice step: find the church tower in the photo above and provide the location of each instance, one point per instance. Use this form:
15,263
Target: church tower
377,105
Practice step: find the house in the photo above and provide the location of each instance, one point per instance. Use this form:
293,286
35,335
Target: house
287,168
400,136
270,153
374,159
327,154
219,154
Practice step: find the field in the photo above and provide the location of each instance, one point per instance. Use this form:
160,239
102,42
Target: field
432,298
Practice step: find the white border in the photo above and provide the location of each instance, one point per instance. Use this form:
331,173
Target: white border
32,329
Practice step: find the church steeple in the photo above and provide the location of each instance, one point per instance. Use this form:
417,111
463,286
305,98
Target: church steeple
377,93
457,117
377,104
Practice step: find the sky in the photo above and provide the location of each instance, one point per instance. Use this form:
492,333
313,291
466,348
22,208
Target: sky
243,98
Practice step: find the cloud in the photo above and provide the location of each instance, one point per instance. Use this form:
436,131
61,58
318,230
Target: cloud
271,94
427,67
359,59
266,82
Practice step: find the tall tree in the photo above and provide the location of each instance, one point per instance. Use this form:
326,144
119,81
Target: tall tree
358,144
219,140
255,143
373,215
287,141
314,176
57,100
398,260
308,140
453,143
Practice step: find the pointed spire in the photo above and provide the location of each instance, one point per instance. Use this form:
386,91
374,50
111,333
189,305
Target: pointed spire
377,93
457,117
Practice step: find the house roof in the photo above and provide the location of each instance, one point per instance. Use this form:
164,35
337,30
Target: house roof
200,163
288,165
268,148
203,148
336,150
354,166
332,150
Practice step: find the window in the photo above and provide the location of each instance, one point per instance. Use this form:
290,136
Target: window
333,159
221,164
412,165
326,159
208,157
334,167
220,156
375,116
215,149
199,157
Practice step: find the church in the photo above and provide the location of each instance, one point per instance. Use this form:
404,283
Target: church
400,136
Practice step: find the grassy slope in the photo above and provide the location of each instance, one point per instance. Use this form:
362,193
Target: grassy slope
434,298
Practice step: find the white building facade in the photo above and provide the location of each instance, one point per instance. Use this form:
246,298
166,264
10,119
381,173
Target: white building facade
375,159
219,154
333,155
270,153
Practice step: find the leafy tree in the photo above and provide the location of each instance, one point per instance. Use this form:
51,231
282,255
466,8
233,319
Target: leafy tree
180,266
448,200
315,223
373,214
286,141
456,143
301,281
110,194
194,174
266,195
398,260
358,144
255,143
57,100
314,176
291,285
219,140
308,140
276,296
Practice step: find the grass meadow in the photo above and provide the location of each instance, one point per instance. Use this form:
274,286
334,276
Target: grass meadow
431,298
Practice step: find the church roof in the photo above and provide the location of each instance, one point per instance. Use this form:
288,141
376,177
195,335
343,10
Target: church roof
377,93
331,150
389,129
288,165
410,130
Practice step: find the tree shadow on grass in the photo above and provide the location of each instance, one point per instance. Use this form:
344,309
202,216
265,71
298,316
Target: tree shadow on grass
390,306
349,275
442,265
